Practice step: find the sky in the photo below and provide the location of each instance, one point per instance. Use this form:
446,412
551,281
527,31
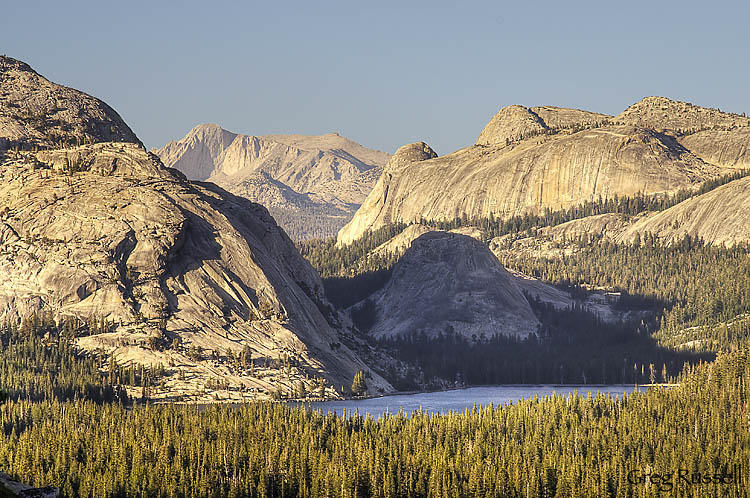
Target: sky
381,73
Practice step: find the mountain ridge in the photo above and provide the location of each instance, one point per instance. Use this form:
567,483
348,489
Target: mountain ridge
330,173
521,165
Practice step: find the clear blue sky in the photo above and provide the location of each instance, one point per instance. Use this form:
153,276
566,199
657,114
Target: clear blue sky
382,73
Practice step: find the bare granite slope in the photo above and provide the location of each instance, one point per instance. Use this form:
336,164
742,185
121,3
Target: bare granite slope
183,275
530,176
448,282
311,184
719,217
728,149
34,112
533,159
547,244
106,231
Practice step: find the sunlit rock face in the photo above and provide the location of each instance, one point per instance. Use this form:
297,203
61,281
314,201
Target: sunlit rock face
311,184
173,273
34,112
527,160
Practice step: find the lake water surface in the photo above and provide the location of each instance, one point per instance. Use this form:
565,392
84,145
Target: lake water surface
460,400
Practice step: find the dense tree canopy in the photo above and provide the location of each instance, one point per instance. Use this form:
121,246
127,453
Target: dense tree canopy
557,446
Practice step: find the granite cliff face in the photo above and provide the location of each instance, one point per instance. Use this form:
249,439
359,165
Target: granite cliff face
182,273
728,149
311,184
376,210
530,176
448,282
533,159
34,112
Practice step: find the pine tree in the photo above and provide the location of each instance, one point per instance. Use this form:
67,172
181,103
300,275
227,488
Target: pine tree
359,385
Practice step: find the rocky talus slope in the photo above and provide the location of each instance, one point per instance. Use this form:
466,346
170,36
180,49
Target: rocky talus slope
311,184
533,159
448,282
34,112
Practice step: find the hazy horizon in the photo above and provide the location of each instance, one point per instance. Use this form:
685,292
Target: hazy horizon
380,75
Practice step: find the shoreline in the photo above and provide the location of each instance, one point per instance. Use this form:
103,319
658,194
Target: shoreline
463,388
636,388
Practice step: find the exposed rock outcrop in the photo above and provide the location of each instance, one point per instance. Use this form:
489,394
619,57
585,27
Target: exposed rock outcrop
547,244
22,490
311,184
408,154
397,245
400,242
660,113
177,274
720,216
560,119
515,123
728,149
375,205
34,112
445,283
107,231
528,160
534,175
559,240
511,124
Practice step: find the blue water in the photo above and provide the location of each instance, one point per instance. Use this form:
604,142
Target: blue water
460,400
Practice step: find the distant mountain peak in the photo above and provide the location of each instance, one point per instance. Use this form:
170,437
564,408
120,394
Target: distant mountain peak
317,180
205,127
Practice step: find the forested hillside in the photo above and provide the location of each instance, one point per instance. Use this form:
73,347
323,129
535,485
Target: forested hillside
679,303
344,260
558,446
